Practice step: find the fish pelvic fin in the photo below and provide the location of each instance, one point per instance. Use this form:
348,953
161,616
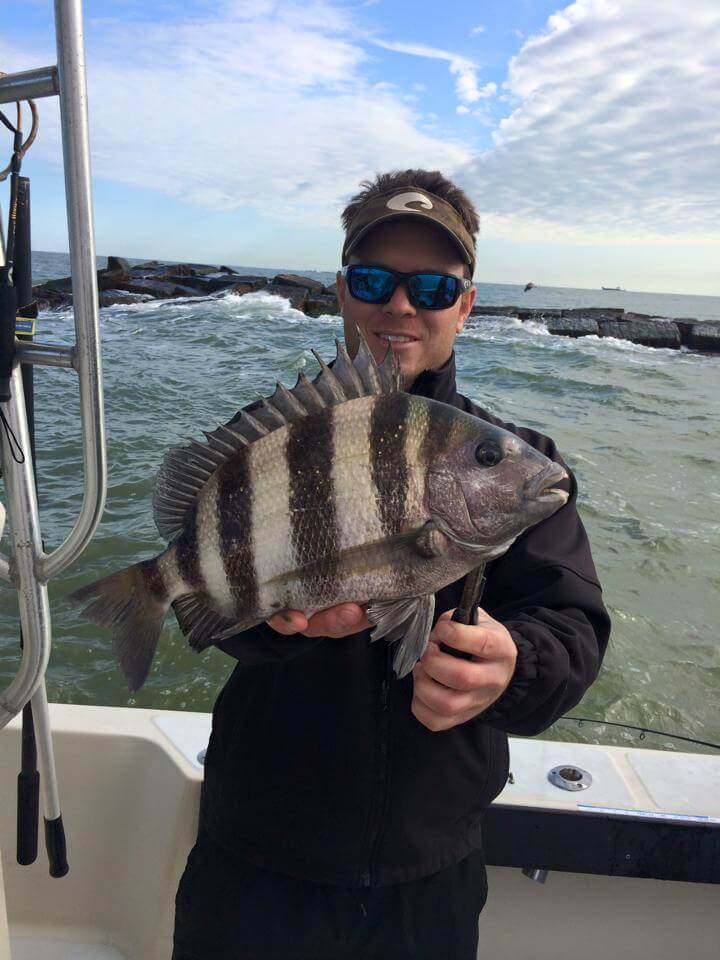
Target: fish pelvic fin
408,623
185,470
132,603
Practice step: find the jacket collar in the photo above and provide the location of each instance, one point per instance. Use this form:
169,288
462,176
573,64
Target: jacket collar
437,384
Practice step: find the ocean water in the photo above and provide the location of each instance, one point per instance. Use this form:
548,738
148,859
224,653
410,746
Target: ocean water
638,426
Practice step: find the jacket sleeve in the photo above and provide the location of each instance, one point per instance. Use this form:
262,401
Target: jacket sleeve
546,592
262,645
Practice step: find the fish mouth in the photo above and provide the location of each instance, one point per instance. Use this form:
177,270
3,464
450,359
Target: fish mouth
541,488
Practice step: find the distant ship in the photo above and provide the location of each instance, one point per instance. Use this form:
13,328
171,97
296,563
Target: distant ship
611,288
528,286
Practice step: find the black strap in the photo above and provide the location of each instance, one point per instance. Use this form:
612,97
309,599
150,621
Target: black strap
8,293
8,312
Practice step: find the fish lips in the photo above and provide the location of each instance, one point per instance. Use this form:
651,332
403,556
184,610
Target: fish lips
540,490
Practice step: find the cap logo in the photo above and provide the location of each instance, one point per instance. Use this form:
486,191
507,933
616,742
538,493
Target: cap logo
401,201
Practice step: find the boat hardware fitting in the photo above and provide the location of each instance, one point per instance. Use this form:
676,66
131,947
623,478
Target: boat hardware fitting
568,777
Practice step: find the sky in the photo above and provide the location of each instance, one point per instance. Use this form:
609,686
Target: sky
587,135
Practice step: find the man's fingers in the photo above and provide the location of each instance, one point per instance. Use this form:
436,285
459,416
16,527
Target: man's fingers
289,621
338,621
483,640
452,672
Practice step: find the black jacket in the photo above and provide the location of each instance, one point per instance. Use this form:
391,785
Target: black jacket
316,766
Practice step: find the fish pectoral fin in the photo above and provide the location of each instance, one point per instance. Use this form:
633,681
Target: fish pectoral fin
430,541
201,624
408,620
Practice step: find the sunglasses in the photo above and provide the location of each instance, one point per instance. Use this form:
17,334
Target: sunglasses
426,290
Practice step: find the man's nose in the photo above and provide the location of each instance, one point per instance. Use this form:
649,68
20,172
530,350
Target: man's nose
399,302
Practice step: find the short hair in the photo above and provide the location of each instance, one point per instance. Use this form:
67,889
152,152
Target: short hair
431,180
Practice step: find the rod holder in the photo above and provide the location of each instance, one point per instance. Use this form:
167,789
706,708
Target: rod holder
29,85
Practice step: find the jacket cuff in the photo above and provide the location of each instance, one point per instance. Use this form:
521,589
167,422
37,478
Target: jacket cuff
524,675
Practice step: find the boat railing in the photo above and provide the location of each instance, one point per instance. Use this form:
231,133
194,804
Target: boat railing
29,568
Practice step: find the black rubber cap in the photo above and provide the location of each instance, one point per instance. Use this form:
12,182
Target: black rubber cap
27,817
55,845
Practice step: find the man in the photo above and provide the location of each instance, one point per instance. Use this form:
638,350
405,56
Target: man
342,808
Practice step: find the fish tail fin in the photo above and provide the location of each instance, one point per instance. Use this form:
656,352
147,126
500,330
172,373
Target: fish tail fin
133,604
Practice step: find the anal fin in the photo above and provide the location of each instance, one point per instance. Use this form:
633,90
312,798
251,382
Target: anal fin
408,623
201,624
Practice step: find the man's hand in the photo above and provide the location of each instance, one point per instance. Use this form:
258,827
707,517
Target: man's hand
449,691
339,621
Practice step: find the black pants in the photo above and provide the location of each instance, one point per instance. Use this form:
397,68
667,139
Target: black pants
228,909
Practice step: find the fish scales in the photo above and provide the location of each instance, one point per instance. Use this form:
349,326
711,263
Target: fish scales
210,548
313,518
234,510
388,460
345,489
269,548
187,553
357,510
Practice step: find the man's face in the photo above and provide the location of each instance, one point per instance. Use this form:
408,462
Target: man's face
406,247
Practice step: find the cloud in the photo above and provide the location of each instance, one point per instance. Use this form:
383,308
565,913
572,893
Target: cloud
241,105
614,131
466,85
479,29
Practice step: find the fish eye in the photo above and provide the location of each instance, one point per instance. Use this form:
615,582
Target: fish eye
488,453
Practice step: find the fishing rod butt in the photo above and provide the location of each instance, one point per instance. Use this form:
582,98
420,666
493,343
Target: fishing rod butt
28,804
55,846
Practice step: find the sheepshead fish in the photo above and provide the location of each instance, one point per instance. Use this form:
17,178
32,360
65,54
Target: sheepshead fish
340,489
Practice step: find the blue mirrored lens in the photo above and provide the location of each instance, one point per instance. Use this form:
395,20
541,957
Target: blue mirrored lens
433,291
427,291
371,284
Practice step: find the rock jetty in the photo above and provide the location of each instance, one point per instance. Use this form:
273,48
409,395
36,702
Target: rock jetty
667,332
119,282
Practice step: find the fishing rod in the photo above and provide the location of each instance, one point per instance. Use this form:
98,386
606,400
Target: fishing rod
643,731
18,313
466,613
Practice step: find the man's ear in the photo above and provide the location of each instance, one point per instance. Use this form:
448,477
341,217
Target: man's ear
466,304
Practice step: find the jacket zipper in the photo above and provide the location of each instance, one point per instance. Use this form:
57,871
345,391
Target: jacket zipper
383,778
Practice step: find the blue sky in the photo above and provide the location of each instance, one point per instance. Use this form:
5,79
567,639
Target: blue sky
234,132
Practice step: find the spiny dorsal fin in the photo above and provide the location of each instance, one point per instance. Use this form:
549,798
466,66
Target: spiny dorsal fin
186,470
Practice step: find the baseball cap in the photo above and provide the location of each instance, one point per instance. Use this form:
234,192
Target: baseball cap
408,203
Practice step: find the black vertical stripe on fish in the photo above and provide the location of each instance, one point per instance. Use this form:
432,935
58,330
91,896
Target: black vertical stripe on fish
186,552
311,500
154,580
235,543
438,435
388,459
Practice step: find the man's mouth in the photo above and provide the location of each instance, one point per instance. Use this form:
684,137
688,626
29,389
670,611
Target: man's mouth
396,338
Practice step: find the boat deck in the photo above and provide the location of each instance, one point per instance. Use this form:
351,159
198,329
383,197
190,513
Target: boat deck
129,784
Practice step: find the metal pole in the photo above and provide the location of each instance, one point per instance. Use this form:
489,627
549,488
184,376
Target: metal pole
29,85
24,523
78,195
